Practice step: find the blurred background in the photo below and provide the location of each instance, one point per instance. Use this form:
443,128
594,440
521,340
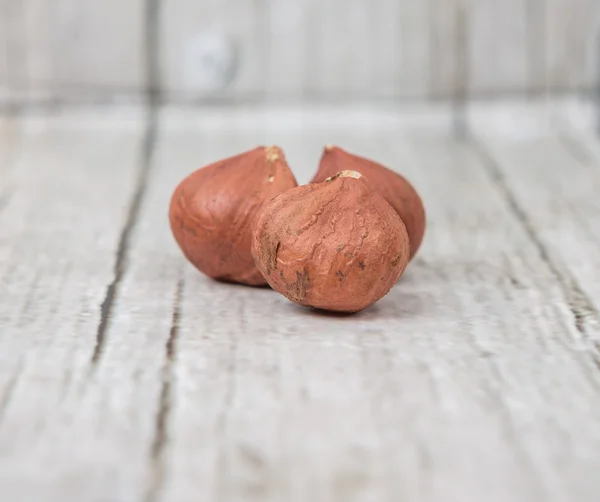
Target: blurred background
192,51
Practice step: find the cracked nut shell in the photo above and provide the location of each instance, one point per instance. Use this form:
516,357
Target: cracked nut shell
396,189
213,209
336,245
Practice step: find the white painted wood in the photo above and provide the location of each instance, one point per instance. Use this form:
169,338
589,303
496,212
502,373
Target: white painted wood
9,26
342,63
471,380
7,147
213,48
401,48
554,182
71,181
350,50
573,43
284,374
306,49
285,51
4,69
513,336
497,35
447,56
75,46
291,66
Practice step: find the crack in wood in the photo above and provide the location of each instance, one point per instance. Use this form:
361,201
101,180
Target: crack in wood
152,55
152,51
4,198
120,264
165,401
581,307
147,151
152,38
460,124
9,390
535,22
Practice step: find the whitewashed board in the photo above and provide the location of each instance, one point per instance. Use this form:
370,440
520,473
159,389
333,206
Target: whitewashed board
125,375
73,49
281,50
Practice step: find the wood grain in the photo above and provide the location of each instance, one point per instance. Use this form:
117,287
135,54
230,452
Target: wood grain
475,378
74,47
267,50
573,43
497,46
448,73
72,182
213,48
563,217
290,67
4,68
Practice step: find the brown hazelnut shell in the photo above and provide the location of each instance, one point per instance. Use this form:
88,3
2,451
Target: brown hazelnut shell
212,212
395,188
336,245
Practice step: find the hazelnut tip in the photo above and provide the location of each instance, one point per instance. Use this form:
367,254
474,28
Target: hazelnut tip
273,153
345,174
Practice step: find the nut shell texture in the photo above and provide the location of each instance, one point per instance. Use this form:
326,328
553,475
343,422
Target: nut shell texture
212,212
396,189
336,245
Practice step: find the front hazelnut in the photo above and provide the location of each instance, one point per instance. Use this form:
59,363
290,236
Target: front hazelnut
395,188
212,211
336,245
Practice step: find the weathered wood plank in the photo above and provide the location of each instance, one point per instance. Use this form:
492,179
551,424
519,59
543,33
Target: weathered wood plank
572,33
4,68
74,47
517,323
330,50
9,142
471,380
72,179
497,46
448,65
291,66
478,333
284,50
10,23
554,182
206,51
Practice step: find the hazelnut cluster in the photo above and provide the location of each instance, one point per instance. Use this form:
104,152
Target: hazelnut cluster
338,243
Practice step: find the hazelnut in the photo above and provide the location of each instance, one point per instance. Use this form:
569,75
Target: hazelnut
336,245
396,189
213,209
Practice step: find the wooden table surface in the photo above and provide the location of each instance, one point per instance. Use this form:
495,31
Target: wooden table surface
125,375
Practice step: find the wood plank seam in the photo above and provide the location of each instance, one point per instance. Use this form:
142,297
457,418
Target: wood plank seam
152,49
581,307
9,389
5,197
163,416
152,38
120,264
535,12
460,123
